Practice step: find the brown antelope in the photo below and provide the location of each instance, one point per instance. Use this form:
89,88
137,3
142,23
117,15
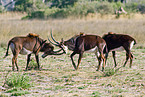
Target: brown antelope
84,43
26,45
119,42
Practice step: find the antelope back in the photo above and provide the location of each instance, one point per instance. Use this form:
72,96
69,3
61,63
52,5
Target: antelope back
117,40
70,43
88,42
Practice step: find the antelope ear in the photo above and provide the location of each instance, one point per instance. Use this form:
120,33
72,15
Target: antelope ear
111,33
81,33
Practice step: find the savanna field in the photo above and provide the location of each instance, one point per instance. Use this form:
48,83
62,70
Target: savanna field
58,77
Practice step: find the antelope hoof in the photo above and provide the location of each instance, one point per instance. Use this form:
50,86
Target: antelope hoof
77,68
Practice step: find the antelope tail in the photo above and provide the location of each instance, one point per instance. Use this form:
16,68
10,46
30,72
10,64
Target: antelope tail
135,42
7,50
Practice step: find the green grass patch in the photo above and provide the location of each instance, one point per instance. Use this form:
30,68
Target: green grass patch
82,87
96,94
20,93
109,72
21,80
17,92
3,95
58,87
117,90
32,65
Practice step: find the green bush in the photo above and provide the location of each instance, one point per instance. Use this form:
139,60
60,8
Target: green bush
20,93
62,3
109,72
141,8
37,14
1,9
18,83
134,7
58,13
23,5
17,92
18,80
81,9
105,8
131,7
117,5
33,65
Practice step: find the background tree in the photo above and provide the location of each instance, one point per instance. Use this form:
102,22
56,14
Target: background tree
62,3
23,5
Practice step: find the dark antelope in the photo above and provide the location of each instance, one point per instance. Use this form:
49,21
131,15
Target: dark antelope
119,42
84,43
27,45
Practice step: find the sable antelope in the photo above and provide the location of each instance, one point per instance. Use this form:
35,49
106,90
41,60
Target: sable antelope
27,45
84,43
119,42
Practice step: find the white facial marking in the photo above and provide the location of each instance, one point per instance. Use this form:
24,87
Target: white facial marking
65,48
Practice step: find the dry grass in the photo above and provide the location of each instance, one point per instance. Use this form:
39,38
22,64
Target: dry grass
58,78
12,25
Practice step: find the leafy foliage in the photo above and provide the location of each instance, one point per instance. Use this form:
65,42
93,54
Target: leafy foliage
18,80
17,83
1,9
23,5
62,3
109,72
74,8
141,8
17,92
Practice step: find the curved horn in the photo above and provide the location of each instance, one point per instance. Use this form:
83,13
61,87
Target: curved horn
58,44
53,38
52,42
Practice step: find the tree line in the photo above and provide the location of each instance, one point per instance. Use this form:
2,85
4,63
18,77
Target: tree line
71,8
